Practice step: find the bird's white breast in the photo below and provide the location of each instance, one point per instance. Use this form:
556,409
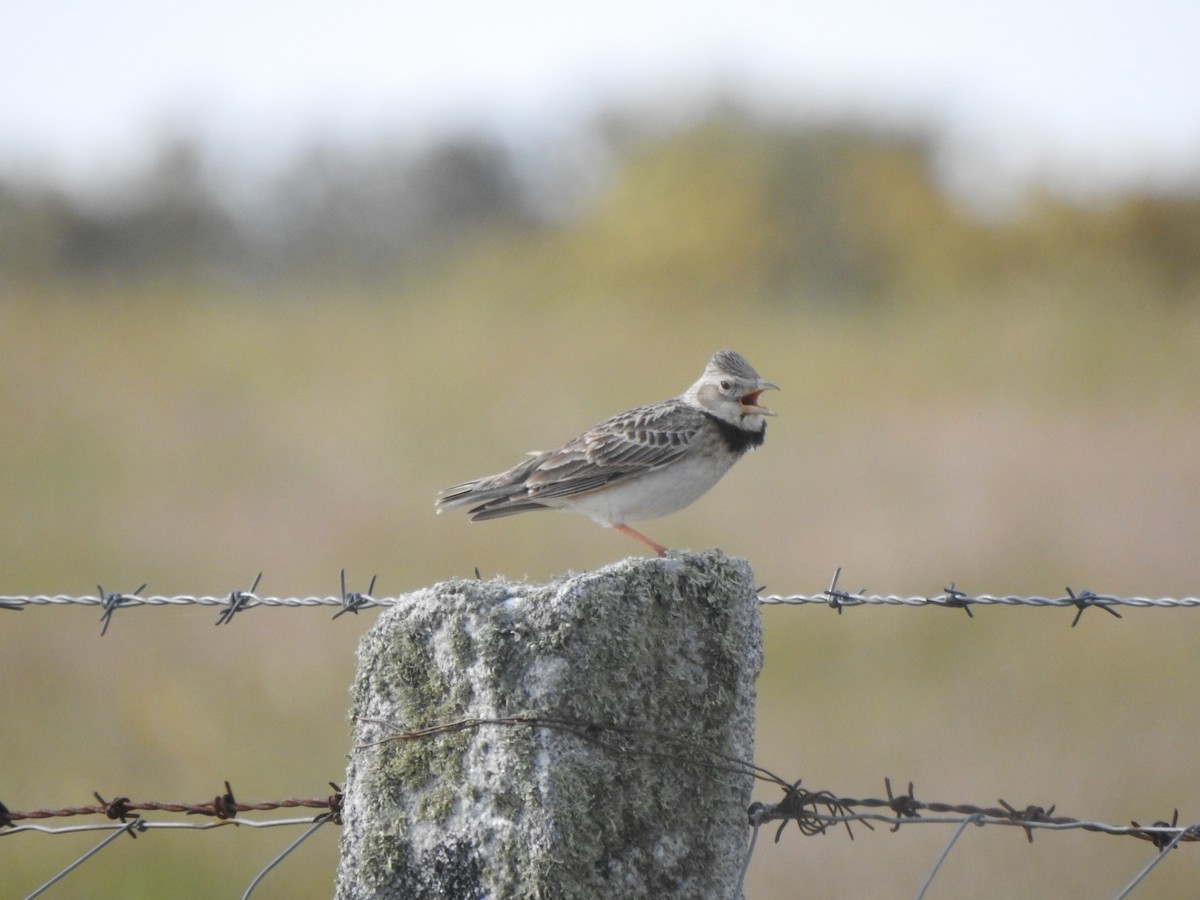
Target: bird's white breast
659,492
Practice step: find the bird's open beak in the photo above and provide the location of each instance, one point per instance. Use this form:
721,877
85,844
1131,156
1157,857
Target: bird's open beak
750,404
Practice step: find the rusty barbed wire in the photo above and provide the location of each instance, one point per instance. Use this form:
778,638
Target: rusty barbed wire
804,808
224,807
125,819
813,812
799,804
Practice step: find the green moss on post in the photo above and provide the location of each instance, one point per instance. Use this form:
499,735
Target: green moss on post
670,646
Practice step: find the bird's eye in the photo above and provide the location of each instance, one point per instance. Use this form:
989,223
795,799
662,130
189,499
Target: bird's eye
726,385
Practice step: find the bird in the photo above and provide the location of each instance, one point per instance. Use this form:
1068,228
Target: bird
641,464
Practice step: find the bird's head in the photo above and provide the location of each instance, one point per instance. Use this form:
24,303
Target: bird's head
730,390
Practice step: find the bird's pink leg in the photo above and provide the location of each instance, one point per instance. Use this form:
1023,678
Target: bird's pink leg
638,536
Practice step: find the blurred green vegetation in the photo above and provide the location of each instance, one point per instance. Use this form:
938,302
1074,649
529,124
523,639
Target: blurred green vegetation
817,216
205,375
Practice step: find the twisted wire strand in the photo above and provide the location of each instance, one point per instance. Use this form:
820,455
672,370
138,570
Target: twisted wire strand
824,599
957,600
129,600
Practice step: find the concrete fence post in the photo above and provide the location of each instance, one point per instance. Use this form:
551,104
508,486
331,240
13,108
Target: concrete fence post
475,773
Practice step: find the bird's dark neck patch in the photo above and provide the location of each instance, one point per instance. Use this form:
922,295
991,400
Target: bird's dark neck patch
738,440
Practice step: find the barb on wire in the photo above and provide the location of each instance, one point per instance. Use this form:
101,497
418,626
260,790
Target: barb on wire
335,801
1030,813
1163,847
956,599
238,601
110,603
1159,838
1087,599
353,602
837,599
223,806
118,808
905,806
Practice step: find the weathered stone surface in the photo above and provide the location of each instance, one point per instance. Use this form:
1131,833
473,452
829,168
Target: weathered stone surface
671,646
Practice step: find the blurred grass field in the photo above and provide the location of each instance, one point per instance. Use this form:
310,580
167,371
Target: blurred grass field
1013,434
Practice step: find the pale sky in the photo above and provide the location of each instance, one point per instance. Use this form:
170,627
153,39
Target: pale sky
1093,89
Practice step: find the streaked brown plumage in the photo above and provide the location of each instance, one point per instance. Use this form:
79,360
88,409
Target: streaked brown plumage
641,464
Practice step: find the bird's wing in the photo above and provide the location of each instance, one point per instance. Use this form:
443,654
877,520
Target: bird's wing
623,447
620,448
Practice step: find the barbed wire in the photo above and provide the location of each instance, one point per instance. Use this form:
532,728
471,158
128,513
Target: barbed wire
813,812
799,805
224,807
238,601
954,598
1164,837
804,807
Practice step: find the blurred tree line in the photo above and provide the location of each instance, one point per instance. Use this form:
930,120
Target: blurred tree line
822,213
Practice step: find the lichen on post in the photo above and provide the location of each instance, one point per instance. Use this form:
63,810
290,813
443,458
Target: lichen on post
515,740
